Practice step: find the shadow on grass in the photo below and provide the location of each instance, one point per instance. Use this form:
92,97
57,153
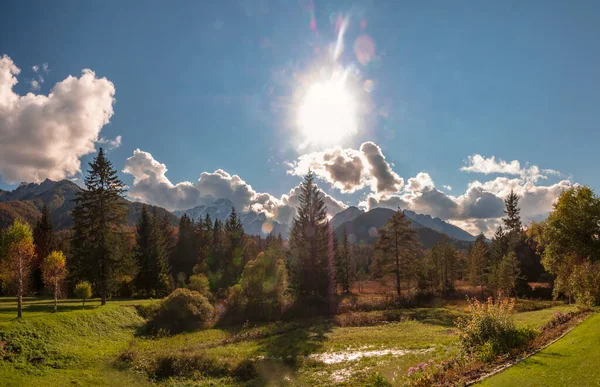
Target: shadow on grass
441,317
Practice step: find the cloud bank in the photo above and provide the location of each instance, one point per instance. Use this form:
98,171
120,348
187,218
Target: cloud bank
45,136
151,185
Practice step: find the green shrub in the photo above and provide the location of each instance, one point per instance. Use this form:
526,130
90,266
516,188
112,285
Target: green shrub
489,329
186,365
199,283
83,290
182,310
148,311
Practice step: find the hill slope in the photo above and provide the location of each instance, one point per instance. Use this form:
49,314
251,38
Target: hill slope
27,201
363,229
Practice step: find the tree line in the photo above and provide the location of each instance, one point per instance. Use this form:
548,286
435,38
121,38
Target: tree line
259,276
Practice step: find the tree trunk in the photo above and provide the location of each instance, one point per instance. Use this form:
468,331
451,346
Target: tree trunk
103,299
55,294
19,305
20,291
398,287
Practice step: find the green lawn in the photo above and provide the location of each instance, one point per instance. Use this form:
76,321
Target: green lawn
574,360
35,307
85,343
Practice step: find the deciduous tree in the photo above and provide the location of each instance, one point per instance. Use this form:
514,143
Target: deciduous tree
16,254
54,272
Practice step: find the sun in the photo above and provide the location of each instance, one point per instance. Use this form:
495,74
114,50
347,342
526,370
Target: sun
327,114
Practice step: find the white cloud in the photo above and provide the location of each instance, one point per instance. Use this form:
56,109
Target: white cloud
35,85
45,136
41,68
350,170
447,187
344,169
480,164
111,144
151,185
480,208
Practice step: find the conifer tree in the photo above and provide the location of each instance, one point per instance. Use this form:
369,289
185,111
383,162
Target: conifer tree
309,242
151,255
345,270
477,263
43,238
512,221
183,258
397,244
98,243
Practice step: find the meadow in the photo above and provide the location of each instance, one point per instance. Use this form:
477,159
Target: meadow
95,345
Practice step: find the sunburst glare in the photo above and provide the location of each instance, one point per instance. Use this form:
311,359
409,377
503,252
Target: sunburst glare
327,114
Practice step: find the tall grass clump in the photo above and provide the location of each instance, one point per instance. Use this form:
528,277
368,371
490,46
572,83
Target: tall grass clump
489,329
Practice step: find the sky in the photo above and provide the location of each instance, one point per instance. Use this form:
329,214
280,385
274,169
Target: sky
441,107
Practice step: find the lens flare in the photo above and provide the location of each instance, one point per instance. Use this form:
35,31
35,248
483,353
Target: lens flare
364,49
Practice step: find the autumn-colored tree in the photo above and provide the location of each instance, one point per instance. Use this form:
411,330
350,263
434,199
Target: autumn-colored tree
16,254
54,272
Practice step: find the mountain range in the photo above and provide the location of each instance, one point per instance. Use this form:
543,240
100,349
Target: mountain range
255,223
28,199
351,213
364,227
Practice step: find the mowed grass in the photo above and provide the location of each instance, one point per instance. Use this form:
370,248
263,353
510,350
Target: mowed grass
86,343
35,307
574,360
80,344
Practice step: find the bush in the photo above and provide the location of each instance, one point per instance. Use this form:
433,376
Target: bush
182,310
199,283
186,365
148,311
489,329
83,290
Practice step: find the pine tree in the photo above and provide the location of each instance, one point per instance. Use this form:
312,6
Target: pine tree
98,217
512,221
345,270
43,238
508,274
444,260
309,242
477,263
183,258
152,278
397,245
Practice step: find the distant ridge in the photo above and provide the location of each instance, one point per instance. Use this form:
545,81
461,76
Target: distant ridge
28,199
363,229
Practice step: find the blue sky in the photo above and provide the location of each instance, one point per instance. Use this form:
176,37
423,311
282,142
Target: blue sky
204,85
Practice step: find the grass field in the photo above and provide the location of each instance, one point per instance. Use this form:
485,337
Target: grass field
83,345
574,360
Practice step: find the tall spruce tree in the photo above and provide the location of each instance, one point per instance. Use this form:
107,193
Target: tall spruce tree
512,221
183,258
309,242
43,238
345,270
478,260
98,239
152,279
396,246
